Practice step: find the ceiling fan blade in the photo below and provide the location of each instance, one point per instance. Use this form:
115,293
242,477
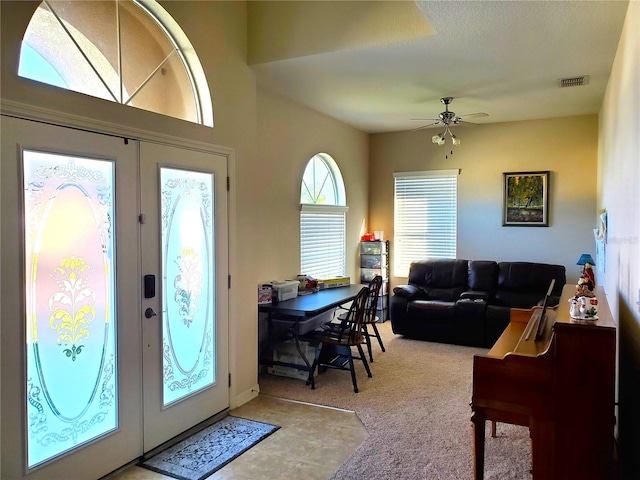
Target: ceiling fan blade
426,119
465,123
425,126
479,114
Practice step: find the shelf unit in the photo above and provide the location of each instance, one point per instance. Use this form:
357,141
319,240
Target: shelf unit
374,260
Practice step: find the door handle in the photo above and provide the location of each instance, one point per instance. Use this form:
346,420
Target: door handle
148,313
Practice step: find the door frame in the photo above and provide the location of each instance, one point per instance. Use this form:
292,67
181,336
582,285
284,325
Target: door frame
24,111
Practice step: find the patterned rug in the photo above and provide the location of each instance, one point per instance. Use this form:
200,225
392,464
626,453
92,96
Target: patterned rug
207,451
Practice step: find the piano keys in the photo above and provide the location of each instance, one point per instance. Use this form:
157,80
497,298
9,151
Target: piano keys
560,384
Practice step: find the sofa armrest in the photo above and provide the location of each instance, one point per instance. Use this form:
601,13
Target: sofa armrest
408,291
474,295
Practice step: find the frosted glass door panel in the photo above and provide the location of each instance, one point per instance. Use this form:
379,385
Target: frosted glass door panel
188,282
71,383
184,246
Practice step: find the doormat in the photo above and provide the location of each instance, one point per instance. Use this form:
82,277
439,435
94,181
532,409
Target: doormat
207,451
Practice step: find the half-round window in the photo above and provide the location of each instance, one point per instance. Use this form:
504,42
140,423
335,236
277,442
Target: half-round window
322,182
130,52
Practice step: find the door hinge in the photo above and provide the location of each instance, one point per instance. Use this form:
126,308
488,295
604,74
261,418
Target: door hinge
229,380
229,282
228,184
142,218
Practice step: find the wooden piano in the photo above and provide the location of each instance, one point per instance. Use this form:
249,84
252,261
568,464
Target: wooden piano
561,386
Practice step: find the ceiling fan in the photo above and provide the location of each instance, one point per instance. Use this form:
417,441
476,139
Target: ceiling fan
448,119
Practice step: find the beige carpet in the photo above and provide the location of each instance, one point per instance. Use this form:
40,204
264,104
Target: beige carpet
416,409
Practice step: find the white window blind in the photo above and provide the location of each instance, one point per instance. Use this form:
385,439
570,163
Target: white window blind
425,217
322,241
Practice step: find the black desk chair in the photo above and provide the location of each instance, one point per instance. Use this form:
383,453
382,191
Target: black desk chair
369,327
371,315
335,344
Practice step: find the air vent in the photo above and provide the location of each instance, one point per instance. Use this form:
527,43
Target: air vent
574,81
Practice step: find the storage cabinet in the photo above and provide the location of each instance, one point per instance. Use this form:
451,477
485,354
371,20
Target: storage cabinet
374,260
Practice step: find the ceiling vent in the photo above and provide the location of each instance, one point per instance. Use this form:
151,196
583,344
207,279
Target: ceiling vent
574,81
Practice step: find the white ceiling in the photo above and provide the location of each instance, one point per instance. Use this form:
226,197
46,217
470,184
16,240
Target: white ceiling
500,57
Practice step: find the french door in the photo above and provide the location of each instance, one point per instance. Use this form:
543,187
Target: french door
79,356
184,259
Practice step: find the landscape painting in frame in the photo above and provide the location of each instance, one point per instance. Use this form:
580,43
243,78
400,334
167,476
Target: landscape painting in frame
526,199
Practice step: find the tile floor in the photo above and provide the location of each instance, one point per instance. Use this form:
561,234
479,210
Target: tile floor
312,443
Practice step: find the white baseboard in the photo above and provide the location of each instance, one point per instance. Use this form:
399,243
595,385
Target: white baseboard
244,397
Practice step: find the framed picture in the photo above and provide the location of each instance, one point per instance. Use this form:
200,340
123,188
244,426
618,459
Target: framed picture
525,199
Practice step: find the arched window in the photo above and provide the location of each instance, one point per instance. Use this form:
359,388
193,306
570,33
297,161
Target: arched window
323,210
130,52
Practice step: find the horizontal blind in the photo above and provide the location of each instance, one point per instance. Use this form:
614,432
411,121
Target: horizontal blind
322,241
425,217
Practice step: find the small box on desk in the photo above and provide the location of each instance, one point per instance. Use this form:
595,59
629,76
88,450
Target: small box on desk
334,282
286,290
265,293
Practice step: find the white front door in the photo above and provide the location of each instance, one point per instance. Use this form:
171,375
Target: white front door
88,382
71,367
184,312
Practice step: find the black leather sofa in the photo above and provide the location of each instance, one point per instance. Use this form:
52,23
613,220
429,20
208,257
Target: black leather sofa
467,302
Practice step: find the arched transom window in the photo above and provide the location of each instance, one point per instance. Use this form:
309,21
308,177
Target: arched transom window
130,52
323,210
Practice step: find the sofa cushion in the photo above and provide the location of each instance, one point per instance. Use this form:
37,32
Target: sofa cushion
524,284
483,276
442,279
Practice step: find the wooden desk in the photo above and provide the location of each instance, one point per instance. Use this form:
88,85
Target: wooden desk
299,309
562,387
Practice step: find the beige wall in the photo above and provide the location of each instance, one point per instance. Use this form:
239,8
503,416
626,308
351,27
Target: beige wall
288,136
619,194
567,147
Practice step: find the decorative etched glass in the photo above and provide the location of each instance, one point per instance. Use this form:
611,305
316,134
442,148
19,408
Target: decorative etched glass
188,283
71,382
